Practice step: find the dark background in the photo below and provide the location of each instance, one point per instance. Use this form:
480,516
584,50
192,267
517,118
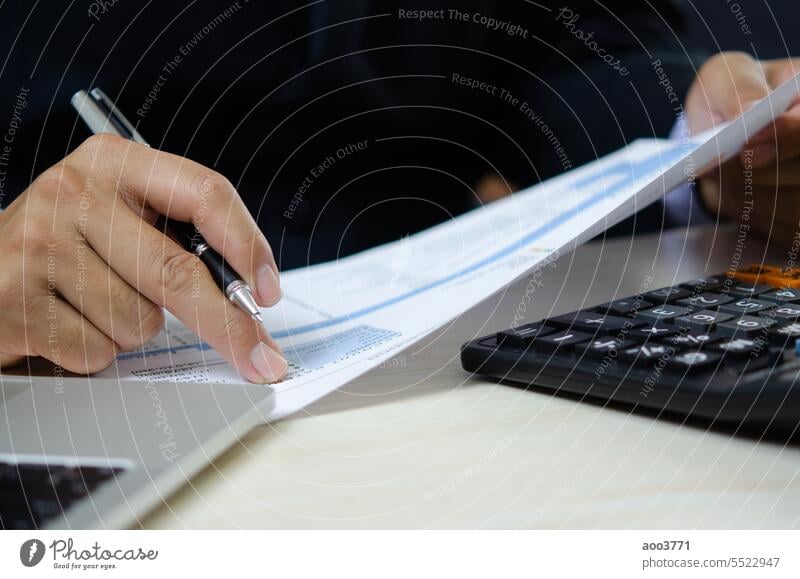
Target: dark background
409,198
773,25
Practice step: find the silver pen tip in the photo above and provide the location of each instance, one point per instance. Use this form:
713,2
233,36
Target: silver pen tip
241,295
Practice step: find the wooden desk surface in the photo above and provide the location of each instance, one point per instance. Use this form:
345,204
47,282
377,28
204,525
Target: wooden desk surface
419,443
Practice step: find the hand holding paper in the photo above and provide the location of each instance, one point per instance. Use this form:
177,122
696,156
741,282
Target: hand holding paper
727,84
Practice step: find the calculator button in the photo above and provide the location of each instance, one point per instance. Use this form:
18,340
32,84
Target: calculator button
746,306
783,312
664,313
782,295
562,341
752,273
703,320
624,307
652,331
749,290
692,339
647,354
667,294
779,277
522,336
745,326
704,301
601,347
704,284
784,336
740,347
593,322
789,277
693,361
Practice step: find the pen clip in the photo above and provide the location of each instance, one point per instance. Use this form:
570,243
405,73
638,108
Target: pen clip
102,116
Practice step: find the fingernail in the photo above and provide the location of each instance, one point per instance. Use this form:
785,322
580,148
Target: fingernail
763,155
268,363
268,286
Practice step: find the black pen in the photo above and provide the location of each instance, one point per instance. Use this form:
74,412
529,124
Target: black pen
101,116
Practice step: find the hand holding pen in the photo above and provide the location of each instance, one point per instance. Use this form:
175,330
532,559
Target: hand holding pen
88,268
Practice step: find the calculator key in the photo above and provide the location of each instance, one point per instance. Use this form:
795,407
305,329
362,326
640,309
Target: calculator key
782,295
689,361
746,326
704,301
750,290
704,284
664,313
771,274
784,336
746,306
740,347
647,354
667,294
522,336
625,307
789,277
652,331
703,320
562,341
752,273
693,339
593,322
601,347
783,312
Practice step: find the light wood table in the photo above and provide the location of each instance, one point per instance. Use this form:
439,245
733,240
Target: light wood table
419,443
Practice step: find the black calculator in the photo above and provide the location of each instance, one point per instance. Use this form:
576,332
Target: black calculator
724,349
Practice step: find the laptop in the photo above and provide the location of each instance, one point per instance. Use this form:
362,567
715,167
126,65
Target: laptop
83,453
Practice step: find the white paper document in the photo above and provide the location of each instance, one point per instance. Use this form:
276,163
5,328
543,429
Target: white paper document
338,320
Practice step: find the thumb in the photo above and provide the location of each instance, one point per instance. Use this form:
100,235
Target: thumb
735,85
727,85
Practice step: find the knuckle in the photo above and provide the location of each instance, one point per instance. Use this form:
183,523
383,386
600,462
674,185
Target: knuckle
60,181
101,146
178,273
211,189
16,236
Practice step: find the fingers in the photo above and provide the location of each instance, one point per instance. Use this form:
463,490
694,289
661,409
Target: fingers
726,86
779,142
187,191
171,277
735,84
106,300
781,70
736,176
67,339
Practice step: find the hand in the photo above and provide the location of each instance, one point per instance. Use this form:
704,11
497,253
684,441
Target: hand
767,173
86,275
